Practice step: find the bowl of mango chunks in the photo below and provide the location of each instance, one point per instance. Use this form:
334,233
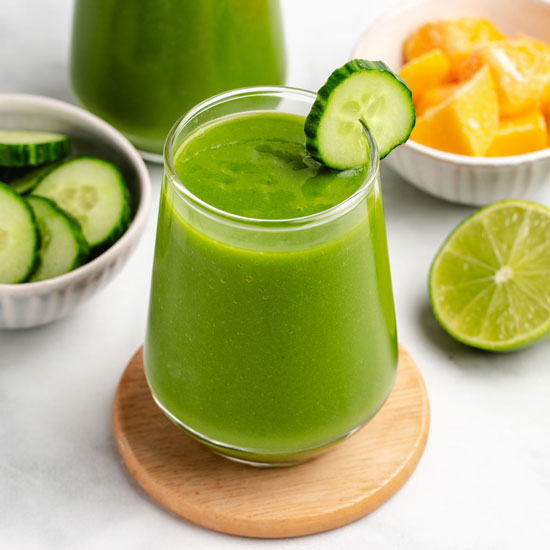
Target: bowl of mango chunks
479,73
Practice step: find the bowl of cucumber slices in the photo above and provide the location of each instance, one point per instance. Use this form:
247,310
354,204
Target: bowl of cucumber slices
74,196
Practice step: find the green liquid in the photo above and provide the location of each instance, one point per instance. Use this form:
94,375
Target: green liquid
141,64
257,166
268,343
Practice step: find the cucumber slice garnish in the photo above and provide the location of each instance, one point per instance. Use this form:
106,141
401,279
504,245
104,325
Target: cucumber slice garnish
26,183
94,193
27,148
19,238
62,245
360,90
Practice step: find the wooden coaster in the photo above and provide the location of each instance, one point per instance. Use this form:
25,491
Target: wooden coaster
347,482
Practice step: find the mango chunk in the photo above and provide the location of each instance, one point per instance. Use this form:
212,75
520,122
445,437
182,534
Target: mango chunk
543,69
546,113
520,71
434,96
456,38
425,71
466,122
521,134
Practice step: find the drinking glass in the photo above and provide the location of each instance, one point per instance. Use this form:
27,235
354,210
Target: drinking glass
269,340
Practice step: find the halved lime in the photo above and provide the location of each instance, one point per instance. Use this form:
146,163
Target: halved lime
490,281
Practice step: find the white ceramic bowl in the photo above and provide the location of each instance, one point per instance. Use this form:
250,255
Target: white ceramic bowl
31,304
459,178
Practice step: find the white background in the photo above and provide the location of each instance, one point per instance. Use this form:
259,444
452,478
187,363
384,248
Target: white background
484,480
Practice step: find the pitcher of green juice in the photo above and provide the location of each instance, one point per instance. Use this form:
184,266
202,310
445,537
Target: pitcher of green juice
139,64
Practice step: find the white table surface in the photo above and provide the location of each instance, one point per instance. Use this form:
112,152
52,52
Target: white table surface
484,480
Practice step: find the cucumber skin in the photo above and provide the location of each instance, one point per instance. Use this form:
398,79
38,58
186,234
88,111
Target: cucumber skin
37,242
335,79
34,154
83,246
125,215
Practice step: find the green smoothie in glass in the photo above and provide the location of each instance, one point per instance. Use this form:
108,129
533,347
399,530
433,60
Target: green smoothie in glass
140,64
271,330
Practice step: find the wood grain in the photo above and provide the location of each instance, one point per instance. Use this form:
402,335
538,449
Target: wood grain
347,482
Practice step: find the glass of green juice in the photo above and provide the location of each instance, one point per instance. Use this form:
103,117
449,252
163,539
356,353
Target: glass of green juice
271,332
140,64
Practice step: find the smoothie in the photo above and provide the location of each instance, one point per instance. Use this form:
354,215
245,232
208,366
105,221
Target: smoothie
269,344
141,64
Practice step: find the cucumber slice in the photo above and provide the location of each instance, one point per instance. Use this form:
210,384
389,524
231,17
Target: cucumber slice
19,237
92,191
62,245
365,90
26,183
27,148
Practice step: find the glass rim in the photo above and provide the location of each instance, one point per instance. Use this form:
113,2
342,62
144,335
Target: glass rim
311,219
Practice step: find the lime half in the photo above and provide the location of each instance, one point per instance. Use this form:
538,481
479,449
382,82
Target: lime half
490,281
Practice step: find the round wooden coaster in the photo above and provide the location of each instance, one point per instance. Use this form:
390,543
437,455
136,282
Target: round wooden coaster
347,482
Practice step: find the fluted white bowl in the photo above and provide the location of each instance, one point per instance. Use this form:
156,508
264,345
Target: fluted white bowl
459,178
31,304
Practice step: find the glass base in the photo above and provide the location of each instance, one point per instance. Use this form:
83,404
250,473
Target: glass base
260,459
155,158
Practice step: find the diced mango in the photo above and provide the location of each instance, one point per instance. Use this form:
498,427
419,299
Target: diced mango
521,134
546,113
518,69
456,38
434,96
538,44
543,70
541,47
455,107
426,71
466,123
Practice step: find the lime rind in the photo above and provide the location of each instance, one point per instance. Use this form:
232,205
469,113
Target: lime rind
489,283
